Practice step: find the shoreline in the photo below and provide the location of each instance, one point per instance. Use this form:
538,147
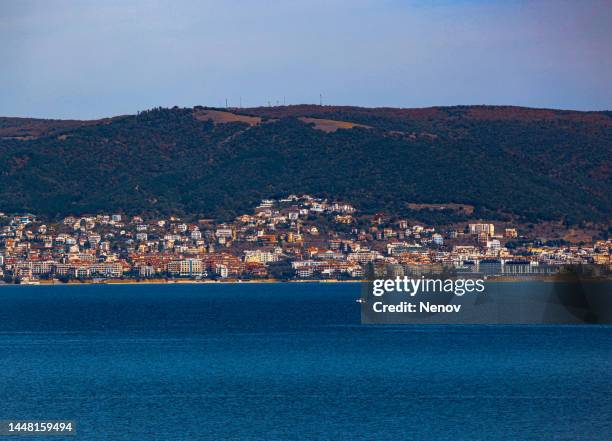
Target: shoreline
548,279
175,282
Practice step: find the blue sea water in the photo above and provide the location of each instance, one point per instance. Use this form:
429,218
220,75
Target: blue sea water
288,361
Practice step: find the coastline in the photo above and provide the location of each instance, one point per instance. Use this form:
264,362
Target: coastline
55,282
174,282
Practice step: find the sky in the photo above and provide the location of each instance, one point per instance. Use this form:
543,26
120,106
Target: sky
91,59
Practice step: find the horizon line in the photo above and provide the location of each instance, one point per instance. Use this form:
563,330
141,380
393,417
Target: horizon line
234,109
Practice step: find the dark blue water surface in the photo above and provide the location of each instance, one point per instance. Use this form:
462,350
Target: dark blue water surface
289,361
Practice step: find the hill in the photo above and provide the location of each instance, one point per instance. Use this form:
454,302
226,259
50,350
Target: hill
532,164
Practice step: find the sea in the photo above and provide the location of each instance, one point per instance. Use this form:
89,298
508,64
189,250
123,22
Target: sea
288,362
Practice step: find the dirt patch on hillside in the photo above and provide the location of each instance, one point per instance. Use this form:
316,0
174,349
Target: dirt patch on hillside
330,125
221,117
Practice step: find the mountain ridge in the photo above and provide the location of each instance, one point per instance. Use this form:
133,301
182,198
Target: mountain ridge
535,164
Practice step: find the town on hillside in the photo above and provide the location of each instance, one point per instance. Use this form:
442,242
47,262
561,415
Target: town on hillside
292,238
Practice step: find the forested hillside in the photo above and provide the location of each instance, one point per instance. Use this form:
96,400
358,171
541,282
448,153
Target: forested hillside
529,163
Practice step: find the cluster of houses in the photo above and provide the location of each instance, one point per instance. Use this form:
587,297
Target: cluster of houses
297,237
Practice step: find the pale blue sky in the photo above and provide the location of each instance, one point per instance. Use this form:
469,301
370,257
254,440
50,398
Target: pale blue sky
88,59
